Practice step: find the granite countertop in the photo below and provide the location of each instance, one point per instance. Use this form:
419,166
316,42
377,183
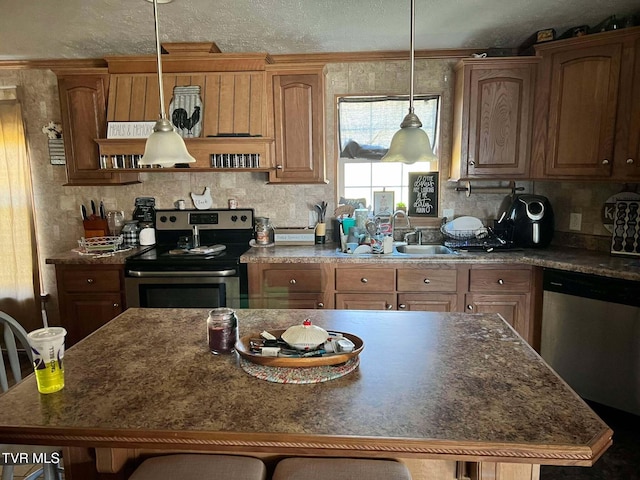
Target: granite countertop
570,259
428,384
75,257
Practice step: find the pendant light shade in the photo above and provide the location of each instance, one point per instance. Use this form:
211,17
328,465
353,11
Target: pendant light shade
164,146
411,143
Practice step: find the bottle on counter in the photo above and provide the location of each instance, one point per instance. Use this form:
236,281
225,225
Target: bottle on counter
147,235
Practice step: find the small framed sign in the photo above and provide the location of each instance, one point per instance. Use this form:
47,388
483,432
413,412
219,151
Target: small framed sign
423,194
129,129
383,203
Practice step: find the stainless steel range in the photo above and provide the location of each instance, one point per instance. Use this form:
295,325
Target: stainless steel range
195,262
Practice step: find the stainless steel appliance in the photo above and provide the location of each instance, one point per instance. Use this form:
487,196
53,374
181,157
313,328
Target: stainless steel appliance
195,262
591,336
529,218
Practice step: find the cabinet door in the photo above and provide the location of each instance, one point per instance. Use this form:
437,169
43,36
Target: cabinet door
84,114
514,308
83,314
428,302
496,107
627,152
298,116
583,98
365,301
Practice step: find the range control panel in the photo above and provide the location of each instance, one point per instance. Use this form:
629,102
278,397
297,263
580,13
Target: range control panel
223,219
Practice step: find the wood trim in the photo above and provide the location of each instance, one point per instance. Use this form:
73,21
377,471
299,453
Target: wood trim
325,446
56,65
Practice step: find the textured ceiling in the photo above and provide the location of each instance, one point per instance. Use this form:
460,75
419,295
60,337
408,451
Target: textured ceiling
49,29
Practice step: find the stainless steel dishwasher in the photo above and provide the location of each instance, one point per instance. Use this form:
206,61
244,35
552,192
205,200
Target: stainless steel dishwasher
591,336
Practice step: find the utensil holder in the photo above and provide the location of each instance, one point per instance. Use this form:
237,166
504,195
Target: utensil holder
95,228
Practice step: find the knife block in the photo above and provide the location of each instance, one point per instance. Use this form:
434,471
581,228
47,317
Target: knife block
95,228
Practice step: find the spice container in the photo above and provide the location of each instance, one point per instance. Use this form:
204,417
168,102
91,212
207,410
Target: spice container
222,330
130,233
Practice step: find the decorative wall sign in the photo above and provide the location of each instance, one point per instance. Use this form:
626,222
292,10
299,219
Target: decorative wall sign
53,131
186,111
423,194
383,203
129,129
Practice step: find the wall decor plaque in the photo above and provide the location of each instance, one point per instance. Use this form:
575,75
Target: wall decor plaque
129,129
423,194
186,111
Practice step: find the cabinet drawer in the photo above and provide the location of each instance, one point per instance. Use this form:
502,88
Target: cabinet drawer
500,280
292,280
427,280
366,280
85,280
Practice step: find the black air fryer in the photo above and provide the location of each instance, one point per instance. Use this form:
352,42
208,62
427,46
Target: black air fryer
529,218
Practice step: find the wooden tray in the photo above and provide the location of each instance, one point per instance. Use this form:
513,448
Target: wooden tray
243,348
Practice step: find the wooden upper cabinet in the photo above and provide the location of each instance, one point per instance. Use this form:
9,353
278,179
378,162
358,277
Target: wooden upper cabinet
233,102
493,117
83,107
588,107
297,123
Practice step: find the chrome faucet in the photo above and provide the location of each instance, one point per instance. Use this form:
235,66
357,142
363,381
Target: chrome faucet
394,218
416,233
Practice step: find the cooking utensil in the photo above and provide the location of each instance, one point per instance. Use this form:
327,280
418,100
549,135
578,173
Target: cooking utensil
83,212
102,212
93,208
321,208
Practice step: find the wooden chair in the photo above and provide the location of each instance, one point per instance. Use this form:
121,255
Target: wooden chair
12,330
200,467
296,468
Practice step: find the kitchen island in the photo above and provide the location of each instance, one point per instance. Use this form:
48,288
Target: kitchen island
443,392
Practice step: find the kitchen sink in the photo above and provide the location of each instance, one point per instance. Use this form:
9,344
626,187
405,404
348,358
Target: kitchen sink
425,250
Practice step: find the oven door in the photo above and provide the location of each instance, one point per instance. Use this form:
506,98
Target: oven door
201,289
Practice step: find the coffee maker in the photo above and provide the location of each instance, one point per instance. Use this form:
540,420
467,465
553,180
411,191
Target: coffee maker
527,220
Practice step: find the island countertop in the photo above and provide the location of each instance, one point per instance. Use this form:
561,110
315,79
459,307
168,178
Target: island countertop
429,385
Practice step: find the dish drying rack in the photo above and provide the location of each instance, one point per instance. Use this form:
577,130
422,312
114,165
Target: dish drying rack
484,238
100,244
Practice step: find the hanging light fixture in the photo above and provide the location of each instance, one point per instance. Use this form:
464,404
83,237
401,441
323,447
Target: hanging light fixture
411,143
164,146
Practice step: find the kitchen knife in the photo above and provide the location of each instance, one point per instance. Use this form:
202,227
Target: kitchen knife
83,212
102,213
93,208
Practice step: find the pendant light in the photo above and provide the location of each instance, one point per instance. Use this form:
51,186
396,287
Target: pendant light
411,143
164,146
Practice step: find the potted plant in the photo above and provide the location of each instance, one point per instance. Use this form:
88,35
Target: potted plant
401,206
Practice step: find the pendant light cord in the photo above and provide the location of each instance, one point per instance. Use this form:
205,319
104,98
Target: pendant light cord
413,36
163,115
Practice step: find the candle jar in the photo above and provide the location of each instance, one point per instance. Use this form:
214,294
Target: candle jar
222,330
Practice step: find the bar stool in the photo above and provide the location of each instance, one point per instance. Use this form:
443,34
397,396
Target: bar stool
296,468
200,467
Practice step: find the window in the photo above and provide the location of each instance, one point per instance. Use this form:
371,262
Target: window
365,128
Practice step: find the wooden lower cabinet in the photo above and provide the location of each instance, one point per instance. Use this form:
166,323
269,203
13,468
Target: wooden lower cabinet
89,297
508,290
283,285
366,301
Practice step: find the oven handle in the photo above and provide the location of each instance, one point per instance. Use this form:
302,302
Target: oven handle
188,273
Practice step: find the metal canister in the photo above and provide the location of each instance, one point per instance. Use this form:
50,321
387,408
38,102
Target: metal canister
130,233
264,231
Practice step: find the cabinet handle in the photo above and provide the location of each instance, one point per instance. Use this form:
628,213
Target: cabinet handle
500,281
605,162
364,280
629,161
292,281
116,305
278,167
469,307
388,306
402,306
320,305
427,281
472,163
89,281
